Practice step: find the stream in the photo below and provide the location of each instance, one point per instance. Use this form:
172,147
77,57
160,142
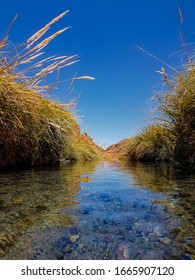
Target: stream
97,211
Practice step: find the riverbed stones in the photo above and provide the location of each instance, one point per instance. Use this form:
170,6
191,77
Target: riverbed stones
123,252
165,240
74,238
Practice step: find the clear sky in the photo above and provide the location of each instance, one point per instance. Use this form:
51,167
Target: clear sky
104,34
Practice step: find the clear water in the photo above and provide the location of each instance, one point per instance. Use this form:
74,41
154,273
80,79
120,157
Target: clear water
97,211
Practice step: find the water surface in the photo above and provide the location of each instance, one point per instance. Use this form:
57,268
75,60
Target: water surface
97,211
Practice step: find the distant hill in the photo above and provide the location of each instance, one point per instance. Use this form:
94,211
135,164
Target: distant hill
114,151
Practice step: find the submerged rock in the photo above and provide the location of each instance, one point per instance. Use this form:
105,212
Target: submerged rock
165,240
123,252
74,238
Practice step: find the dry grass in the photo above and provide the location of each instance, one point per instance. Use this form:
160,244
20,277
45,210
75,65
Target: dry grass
172,138
150,145
35,130
177,108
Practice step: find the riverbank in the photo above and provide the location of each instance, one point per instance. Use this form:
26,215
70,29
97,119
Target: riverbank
171,136
35,130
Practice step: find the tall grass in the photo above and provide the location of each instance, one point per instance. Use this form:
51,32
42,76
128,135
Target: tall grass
177,107
150,145
35,130
172,137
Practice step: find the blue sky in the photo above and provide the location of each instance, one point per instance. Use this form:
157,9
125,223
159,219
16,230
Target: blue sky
104,34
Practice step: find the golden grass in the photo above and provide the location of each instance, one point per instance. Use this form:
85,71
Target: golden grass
35,130
177,108
172,137
150,145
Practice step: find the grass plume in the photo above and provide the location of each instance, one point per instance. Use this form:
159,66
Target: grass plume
35,130
171,137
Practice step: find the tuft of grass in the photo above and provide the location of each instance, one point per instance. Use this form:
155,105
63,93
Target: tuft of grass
35,130
172,138
177,108
150,145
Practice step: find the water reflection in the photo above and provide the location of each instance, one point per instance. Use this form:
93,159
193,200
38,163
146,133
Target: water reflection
35,198
97,211
180,190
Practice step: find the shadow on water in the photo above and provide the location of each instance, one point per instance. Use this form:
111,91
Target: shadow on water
97,211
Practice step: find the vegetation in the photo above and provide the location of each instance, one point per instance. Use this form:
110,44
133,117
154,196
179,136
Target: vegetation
149,145
178,115
33,129
172,138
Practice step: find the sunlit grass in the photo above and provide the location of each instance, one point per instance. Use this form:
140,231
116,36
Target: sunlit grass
35,130
177,107
172,137
150,145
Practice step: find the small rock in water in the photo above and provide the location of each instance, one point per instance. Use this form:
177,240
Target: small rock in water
123,253
74,238
165,240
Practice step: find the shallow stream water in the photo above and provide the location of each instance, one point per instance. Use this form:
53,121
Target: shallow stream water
97,211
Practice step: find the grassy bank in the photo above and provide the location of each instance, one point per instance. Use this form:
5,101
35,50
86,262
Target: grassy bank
172,138
150,145
35,130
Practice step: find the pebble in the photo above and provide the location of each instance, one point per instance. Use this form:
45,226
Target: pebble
123,252
74,238
165,240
